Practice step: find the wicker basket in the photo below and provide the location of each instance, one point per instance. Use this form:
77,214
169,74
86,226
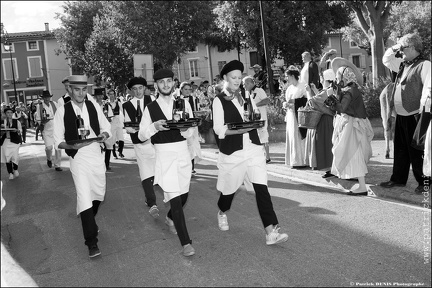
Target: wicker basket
308,117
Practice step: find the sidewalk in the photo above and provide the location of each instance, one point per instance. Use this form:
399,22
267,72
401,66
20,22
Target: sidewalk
380,170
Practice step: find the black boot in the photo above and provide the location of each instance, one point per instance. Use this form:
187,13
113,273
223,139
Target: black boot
114,152
120,149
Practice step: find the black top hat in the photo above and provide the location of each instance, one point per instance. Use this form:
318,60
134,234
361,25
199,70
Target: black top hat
231,66
135,81
163,73
46,93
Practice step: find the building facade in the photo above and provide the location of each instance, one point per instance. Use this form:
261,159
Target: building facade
35,65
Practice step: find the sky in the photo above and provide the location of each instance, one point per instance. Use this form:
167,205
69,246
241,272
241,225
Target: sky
26,16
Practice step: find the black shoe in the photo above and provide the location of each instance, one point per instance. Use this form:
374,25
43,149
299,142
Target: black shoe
58,169
121,155
108,168
391,184
94,251
420,189
350,193
268,160
49,163
328,174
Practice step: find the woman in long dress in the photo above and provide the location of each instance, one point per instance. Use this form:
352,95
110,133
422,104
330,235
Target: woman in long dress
352,133
295,139
318,151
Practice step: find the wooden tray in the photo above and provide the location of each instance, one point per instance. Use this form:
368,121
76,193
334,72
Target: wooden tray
191,122
72,142
244,125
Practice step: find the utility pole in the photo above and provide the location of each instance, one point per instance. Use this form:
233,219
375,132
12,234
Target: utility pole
268,64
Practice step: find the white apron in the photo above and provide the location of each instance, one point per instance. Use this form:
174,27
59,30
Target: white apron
352,148
48,133
88,172
243,166
173,169
194,146
145,154
9,152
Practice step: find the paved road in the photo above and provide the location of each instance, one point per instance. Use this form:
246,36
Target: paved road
334,239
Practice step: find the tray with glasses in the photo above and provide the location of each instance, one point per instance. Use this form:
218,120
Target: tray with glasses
72,142
191,122
134,125
246,125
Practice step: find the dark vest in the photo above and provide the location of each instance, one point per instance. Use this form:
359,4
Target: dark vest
131,111
116,110
168,136
232,143
411,86
193,105
71,129
14,136
66,99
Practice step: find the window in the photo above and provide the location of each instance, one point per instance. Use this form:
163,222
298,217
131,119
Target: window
193,68
221,64
193,50
7,68
35,66
253,56
353,44
358,60
328,42
32,45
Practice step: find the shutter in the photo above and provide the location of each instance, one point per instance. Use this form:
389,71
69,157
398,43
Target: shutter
363,61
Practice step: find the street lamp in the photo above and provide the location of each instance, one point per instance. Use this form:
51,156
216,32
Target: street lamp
8,48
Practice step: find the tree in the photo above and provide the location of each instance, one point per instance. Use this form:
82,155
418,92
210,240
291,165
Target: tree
102,39
412,17
77,26
371,17
292,26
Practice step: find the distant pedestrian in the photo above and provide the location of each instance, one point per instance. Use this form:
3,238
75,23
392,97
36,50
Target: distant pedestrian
173,162
117,119
309,73
66,97
10,143
261,100
44,117
86,160
242,158
22,117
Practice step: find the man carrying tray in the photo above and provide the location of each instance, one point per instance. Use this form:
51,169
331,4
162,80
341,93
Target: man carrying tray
86,160
242,157
173,161
144,150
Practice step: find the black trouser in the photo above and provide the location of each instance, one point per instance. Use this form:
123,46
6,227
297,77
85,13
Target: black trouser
89,226
177,216
149,193
264,203
24,133
121,145
107,157
404,154
10,166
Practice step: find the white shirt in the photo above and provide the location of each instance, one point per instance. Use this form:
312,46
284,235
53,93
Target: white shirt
304,74
134,101
147,128
258,94
59,128
219,125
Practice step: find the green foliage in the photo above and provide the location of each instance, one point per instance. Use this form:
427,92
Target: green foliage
371,96
412,17
275,112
